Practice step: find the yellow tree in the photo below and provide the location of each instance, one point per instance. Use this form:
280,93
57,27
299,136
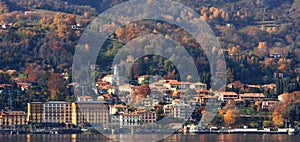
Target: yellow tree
257,105
277,118
230,117
62,24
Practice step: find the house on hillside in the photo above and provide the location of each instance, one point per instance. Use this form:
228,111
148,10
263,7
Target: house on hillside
226,96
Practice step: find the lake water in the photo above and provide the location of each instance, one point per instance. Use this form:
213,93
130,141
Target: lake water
172,138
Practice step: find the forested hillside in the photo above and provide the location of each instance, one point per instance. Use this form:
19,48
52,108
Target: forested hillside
39,33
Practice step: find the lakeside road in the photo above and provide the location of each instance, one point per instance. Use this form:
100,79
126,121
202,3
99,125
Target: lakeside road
172,138
289,131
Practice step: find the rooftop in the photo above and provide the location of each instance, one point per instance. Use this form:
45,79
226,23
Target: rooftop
255,95
130,114
227,93
12,113
56,102
91,102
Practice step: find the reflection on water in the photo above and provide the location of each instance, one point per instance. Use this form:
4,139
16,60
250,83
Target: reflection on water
74,136
137,138
28,138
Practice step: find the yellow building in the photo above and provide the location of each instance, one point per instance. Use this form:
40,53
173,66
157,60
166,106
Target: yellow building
58,112
9,119
80,112
93,112
35,112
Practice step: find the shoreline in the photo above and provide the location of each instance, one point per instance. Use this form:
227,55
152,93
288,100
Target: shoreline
64,132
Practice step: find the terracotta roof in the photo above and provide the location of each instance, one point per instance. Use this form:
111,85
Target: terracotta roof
106,96
130,114
269,85
145,111
176,100
106,87
179,83
168,81
206,96
255,95
22,113
227,93
23,83
253,86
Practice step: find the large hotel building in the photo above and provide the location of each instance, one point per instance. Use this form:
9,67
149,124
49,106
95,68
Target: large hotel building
79,112
58,112
95,112
35,112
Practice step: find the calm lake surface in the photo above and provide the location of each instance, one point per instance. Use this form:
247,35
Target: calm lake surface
172,138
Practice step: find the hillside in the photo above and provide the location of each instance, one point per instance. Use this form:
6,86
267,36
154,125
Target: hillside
42,35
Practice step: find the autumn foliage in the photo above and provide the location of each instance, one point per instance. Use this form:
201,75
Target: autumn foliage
143,91
277,118
231,116
288,109
57,87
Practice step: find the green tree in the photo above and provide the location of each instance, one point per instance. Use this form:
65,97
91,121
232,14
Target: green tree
159,114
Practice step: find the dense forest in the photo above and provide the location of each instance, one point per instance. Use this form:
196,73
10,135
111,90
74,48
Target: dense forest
40,35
